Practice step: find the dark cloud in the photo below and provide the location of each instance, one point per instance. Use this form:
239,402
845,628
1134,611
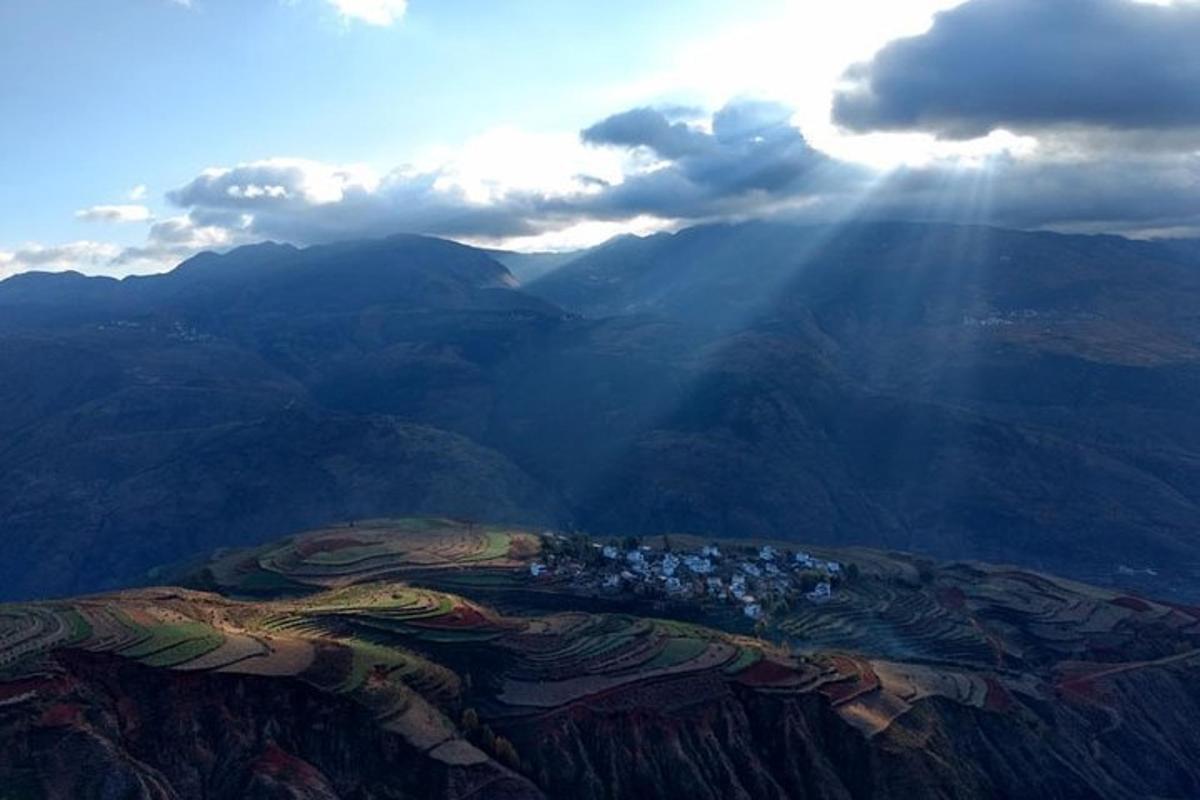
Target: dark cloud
753,159
748,158
747,161
306,202
1034,64
1134,194
646,127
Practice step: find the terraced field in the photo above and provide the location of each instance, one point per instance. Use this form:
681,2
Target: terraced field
371,550
876,616
346,619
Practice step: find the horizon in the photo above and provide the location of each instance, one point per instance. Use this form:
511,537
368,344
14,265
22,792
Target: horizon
582,250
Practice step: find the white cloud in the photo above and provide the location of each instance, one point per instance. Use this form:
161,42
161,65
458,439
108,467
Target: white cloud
138,192
114,213
82,255
281,181
507,160
372,12
577,236
174,239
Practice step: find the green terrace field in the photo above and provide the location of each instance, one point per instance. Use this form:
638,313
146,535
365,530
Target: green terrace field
370,550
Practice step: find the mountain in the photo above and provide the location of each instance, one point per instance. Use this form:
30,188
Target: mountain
964,392
423,658
154,417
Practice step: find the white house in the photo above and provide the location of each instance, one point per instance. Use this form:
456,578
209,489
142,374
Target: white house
608,551
752,610
536,569
767,553
821,593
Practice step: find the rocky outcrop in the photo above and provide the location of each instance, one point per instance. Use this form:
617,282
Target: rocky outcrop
107,728
748,744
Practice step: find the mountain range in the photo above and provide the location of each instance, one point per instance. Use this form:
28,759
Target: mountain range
964,392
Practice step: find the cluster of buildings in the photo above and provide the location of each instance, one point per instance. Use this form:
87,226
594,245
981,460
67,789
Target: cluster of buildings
751,579
179,331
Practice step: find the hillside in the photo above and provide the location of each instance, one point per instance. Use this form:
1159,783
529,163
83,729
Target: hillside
422,658
154,417
962,392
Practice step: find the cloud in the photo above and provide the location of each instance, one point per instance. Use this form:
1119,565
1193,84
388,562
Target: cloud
1029,65
752,160
308,201
114,213
505,184
176,238
81,255
138,192
653,170
372,12
645,169
280,182
1134,194
646,127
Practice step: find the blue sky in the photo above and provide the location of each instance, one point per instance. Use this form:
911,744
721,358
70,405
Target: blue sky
137,132
101,97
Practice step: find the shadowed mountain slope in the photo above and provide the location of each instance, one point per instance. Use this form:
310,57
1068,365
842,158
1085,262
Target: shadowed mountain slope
967,392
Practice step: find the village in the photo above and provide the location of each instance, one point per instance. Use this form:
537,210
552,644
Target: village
758,579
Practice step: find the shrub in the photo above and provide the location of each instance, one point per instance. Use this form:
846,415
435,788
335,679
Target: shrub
506,753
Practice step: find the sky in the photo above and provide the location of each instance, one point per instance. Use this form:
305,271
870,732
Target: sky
135,133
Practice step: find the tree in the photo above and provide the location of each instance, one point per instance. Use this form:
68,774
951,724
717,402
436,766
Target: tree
470,721
852,571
